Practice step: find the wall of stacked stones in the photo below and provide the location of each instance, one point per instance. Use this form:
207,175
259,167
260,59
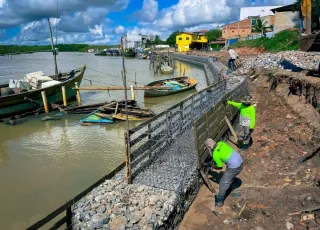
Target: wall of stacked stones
149,203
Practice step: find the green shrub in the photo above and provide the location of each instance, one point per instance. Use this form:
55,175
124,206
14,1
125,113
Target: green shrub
284,40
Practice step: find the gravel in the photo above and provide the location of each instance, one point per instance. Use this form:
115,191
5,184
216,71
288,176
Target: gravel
291,60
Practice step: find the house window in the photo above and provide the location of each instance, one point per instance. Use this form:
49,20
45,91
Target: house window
242,30
253,21
180,39
232,31
187,38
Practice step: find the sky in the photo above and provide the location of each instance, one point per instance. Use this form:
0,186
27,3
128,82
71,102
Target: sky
24,22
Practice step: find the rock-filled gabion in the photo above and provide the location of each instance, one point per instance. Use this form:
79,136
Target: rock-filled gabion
157,199
116,205
292,60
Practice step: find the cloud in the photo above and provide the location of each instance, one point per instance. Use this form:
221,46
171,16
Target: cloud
35,33
120,30
187,13
148,12
2,2
16,12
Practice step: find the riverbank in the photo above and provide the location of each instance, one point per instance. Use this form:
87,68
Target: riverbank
274,184
116,205
55,160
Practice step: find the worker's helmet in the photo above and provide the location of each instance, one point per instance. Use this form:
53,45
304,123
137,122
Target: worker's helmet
246,100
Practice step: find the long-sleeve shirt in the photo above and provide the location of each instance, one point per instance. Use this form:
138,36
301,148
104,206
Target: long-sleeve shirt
247,114
223,153
232,54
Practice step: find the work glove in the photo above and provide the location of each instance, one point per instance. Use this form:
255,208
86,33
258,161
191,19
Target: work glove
251,131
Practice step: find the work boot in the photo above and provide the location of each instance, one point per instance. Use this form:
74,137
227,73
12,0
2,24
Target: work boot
218,201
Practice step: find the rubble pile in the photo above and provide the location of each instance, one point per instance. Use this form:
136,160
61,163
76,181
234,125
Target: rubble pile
291,60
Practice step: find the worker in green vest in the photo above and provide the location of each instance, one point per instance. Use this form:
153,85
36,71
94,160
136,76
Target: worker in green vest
247,121
223,153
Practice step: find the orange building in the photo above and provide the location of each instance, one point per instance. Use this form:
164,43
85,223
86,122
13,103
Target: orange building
243,29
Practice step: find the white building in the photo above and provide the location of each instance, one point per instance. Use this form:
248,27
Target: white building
246,12
136,40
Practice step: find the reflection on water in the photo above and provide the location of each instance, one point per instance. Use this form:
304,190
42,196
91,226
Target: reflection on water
43,164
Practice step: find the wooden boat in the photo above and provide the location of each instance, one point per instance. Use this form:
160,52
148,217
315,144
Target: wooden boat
166,69
185,83
123,117
20,103
93,118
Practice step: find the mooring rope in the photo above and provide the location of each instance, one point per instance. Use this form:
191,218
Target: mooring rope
114,76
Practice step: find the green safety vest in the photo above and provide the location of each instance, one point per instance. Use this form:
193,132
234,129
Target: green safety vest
221,153
247,114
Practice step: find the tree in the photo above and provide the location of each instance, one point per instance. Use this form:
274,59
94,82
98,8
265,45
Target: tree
259,26
171,40
213,34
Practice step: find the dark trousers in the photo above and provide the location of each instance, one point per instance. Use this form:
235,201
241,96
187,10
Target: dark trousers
244,137
231,64
227,179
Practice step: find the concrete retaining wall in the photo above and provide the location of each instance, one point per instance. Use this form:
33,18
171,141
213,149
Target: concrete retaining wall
213,69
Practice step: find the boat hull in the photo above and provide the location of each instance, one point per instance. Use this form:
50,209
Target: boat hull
16,104
160,93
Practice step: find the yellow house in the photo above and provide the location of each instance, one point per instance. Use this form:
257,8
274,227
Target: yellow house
186,40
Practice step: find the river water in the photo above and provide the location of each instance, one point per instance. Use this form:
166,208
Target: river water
44,164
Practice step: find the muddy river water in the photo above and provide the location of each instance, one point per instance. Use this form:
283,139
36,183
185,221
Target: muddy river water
44,164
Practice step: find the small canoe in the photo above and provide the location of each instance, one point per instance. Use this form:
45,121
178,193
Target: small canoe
166,69
122,117
93,118
173,86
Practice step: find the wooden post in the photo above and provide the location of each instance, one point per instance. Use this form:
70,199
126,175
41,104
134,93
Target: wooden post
78,93
69,218
184,72
116,111
64,95
128,160
234,134
180,69
45,103
135,79
132,93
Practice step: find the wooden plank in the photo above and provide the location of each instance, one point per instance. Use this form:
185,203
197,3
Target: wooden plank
234,134
207,182
121,88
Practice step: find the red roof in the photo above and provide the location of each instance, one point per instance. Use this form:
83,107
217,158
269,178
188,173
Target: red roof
201,31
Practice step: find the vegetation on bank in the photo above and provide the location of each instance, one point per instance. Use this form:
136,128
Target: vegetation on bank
285,40
7,49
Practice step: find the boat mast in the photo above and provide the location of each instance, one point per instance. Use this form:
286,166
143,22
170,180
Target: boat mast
54,52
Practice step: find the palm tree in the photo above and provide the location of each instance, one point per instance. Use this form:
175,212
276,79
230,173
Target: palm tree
259,26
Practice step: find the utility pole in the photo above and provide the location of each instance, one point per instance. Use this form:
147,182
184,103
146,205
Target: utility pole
54,52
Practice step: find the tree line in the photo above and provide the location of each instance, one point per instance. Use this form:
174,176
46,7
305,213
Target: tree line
212,35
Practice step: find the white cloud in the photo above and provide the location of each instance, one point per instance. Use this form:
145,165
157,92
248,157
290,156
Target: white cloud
120,30
188,13
2,2
148,12
97,30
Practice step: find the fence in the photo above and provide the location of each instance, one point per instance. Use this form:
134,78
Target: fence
66,209
212,124
163,151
